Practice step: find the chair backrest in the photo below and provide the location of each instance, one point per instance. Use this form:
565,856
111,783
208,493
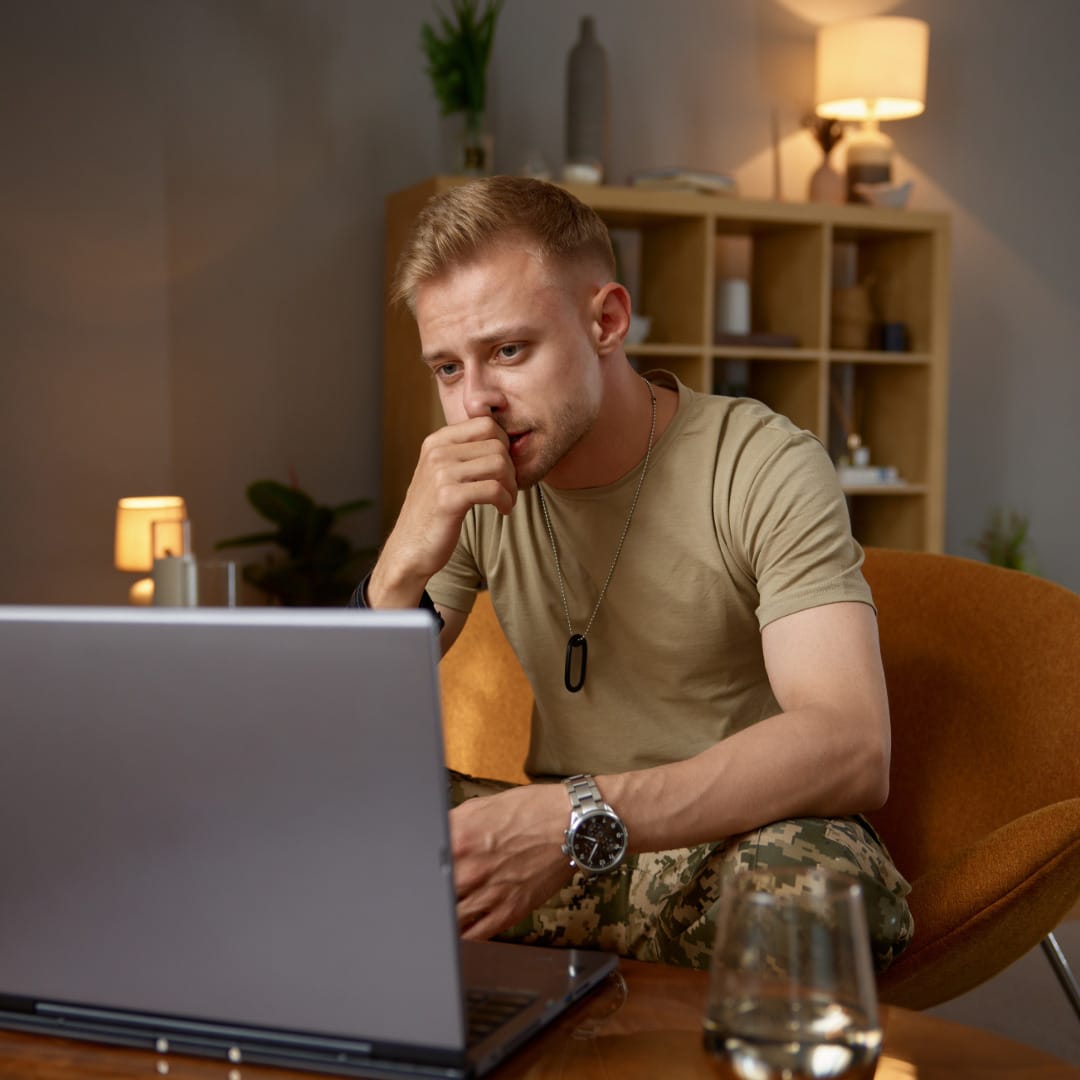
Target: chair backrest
983,671
487,701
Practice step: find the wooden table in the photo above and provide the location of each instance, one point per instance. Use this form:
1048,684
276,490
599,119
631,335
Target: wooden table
645,1024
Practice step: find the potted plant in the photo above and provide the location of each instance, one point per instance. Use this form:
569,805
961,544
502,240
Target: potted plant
1004,541
457,51
316,566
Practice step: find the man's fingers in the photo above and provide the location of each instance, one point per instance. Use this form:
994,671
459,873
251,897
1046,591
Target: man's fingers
482,925
487,466
458,499
476,431
450,452
452,468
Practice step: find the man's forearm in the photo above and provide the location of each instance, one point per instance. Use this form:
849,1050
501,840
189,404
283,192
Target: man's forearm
390,588
807,763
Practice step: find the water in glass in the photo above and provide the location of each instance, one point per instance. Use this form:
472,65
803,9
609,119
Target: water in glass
791,990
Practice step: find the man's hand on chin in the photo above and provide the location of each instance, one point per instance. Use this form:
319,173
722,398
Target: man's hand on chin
461,465
507,856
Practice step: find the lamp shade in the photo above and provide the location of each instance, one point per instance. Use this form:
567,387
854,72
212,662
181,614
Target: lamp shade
872,69
134,517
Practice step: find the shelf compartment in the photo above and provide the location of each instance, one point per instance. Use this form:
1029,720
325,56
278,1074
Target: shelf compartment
784,264
898,522
887,405
668,266
898,267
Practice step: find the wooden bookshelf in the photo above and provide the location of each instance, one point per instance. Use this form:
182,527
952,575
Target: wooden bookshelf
791,250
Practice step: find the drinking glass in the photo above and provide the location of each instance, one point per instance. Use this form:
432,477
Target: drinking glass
791,988
216,583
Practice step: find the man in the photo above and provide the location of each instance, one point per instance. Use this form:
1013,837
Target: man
677,576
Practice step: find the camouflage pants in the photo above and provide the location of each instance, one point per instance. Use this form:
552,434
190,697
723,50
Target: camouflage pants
660,906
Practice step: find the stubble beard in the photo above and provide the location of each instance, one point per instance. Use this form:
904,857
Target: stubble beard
568,427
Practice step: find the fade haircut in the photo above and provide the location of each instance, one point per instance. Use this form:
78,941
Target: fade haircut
459,224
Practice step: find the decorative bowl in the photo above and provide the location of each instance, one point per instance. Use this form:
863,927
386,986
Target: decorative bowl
639,329
885,194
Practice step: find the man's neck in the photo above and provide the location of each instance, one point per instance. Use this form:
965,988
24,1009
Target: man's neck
617,442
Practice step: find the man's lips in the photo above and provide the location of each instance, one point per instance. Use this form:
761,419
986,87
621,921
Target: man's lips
518,441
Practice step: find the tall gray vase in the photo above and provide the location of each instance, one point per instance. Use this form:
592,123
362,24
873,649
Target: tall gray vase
588,103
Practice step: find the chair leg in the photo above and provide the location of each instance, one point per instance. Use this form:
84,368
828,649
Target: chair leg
1062,971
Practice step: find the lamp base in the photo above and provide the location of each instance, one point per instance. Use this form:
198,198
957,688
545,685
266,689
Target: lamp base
142,592
869,159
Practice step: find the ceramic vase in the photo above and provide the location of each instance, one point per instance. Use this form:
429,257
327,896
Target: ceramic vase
468,145
588,103
827,185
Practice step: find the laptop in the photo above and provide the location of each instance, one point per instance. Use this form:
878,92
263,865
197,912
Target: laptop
225,833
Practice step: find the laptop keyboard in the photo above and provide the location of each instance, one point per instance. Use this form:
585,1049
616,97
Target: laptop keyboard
487,1010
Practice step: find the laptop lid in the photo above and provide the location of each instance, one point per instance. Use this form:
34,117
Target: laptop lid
229,816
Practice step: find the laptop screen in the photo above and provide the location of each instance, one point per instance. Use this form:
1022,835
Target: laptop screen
229,815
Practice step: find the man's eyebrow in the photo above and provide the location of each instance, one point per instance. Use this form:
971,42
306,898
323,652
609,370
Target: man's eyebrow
515,332
431,359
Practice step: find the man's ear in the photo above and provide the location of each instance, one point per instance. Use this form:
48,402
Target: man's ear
610,317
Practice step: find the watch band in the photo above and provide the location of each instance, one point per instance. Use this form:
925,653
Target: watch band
584,794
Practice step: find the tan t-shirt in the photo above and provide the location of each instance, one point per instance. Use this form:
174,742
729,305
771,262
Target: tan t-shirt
740,521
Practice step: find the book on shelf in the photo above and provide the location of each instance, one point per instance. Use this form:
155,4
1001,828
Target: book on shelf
675,178
867,475
758,340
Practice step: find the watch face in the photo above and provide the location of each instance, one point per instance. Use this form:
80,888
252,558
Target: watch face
599,842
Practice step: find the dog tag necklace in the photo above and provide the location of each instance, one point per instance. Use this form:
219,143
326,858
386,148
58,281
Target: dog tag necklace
577,647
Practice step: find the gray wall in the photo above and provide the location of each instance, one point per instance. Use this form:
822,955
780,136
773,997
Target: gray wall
191,198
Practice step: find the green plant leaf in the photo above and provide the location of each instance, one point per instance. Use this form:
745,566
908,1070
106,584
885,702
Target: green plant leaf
458,53
279,503
247,541
317,566
350,507
1004,540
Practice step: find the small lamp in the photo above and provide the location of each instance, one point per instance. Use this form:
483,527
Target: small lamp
134,538
871,70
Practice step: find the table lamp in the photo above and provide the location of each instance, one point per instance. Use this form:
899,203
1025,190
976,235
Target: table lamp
870,70
134,549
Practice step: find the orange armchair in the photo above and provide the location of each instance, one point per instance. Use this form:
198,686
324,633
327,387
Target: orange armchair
983,670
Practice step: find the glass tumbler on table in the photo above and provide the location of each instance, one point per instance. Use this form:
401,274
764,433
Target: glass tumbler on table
791,987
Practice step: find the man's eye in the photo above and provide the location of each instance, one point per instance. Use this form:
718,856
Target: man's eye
446,371
508,352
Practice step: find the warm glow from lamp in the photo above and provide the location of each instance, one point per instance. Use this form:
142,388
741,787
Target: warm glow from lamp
134,547
872,69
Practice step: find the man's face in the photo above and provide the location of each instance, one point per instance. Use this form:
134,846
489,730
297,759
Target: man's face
510,336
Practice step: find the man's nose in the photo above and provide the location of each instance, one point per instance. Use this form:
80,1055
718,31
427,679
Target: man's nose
481,395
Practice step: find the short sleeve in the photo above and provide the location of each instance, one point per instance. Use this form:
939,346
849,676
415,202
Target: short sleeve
796,532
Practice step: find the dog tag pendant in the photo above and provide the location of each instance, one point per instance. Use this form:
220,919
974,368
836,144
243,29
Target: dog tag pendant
577,643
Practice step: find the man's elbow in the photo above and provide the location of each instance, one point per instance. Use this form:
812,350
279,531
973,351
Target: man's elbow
873,779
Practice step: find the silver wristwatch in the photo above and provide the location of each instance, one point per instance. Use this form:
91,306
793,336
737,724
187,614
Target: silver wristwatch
596,839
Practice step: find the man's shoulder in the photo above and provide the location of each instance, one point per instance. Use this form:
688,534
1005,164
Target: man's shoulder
743,430
748,416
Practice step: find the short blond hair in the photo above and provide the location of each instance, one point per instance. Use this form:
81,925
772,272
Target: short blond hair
459,224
